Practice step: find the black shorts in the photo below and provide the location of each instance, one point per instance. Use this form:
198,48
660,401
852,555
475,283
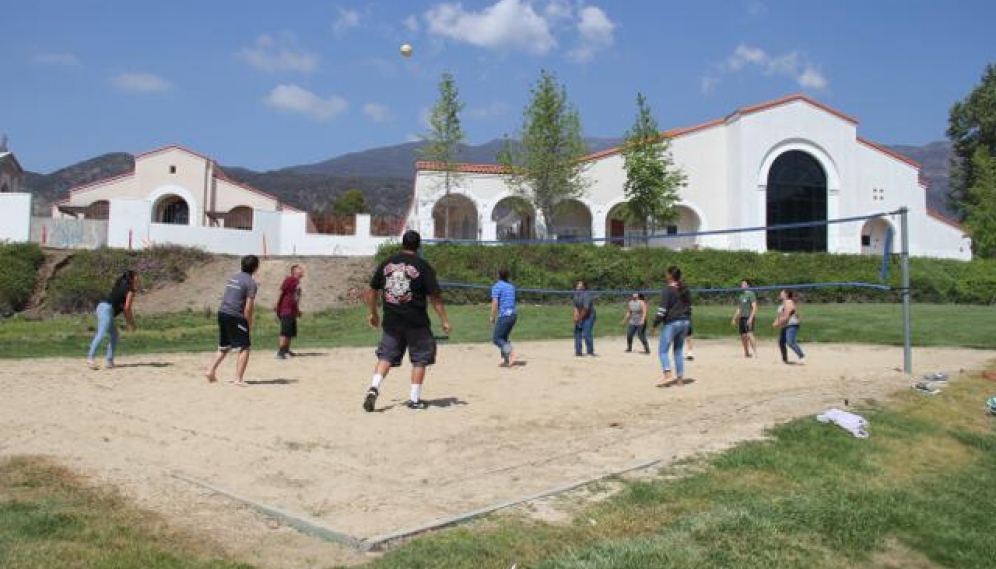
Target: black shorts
419,342
233,332
745,326
288,326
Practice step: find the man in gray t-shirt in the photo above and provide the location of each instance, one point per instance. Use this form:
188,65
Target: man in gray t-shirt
235,319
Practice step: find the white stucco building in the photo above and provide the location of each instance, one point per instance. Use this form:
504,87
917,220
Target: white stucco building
789,160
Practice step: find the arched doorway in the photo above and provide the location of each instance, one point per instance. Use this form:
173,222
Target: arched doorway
172,209
874,236
571,220
620,229
462,218
239,218
796,193
515,219
688,222
100,209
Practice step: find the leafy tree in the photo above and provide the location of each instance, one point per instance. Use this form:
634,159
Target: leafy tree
971,125
444,140
652,179
350,203
981,204
545,168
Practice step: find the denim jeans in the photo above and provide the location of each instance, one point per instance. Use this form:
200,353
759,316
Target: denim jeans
674,335
503,328
787,338
105,325
585,329
637,330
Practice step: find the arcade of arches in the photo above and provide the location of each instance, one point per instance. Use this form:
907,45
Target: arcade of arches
172,210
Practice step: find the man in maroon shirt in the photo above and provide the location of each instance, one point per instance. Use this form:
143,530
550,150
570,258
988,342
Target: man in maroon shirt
288,309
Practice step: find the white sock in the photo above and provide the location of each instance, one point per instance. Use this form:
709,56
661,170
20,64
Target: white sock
416,392
376,381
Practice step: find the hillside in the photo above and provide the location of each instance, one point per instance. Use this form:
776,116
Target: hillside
385,176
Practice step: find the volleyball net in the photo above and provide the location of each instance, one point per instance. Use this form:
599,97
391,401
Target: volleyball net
713,263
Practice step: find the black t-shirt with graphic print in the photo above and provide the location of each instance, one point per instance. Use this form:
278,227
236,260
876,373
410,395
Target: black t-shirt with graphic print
405,281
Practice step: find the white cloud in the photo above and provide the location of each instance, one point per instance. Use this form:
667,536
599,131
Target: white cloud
792,64
597,32
294,99
57,59
271,54
347,20
812,78
141,83
756,7
508,25
412,25
558,10
377,112
487,111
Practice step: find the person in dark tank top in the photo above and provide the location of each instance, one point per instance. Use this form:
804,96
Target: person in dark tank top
119,300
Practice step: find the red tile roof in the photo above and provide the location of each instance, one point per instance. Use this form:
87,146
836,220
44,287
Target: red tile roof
679,132
936,215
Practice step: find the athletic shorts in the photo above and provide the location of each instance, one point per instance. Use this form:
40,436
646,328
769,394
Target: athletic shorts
745,326
419,342
288,326
233,333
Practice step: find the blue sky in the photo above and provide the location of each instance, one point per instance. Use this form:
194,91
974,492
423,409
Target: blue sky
265,84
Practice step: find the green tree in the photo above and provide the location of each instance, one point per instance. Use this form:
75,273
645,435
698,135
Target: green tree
652,179
350,203
546,167
444,140
980,204
971,125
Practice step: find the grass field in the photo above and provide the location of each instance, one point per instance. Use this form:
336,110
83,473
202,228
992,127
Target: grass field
933,325
917,494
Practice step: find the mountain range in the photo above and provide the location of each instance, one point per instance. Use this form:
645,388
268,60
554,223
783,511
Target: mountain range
385,175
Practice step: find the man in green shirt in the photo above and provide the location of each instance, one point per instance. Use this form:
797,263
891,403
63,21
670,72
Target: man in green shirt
744,318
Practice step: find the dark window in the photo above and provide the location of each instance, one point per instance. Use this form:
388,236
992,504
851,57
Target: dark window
172,169
173,210
797,193
866,240
672,229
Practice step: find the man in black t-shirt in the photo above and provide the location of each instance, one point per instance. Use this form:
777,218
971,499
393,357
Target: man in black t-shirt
407,284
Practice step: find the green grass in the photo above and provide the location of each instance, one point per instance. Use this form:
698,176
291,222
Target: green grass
933,325
49,518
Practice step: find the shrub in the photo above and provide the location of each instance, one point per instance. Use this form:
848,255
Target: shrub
555,266
88,278
20,263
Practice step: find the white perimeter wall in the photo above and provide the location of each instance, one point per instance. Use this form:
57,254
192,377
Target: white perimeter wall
15,217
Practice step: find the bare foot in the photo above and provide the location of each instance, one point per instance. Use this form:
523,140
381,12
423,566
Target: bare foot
92,365
512,358
238,383
210,377
665,382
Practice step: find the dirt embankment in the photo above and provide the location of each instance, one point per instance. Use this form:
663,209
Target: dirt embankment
329,282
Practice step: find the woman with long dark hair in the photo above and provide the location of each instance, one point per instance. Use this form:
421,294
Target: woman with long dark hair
120,299
675,313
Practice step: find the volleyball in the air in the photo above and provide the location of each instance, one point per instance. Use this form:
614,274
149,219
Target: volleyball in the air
406,50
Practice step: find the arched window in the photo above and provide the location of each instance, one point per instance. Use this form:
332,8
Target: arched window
239,218
797,192
571,220
99,209
460,212
514,219
173,210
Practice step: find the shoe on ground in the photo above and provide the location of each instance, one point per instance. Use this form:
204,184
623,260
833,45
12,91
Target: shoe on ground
281,356
370,400
690,357
420,405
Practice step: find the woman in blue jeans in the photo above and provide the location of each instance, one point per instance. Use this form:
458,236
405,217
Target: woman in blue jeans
584,318
788,320
503,316
675,313
120,299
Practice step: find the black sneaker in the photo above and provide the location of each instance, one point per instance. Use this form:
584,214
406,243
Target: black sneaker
370,399
281,356
420,404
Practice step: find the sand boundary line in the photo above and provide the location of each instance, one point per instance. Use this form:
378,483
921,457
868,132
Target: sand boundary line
312,527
